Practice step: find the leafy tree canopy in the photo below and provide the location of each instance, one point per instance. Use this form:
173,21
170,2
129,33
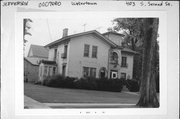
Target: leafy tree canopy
26,28
132,28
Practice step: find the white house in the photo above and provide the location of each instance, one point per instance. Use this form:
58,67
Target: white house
92,54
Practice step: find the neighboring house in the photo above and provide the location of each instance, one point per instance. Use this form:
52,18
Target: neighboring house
31,69
37,51
31,62
92,54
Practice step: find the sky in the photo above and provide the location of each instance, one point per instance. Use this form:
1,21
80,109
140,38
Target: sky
46,30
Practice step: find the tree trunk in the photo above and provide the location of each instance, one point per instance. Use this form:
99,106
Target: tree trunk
148,97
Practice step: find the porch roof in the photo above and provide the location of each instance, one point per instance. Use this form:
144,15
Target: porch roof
48,62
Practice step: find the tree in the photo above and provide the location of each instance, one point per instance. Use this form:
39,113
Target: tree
133,30
142,37
26,28
148,96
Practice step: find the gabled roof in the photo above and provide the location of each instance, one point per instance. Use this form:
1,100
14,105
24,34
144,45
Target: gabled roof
110,32
38,51
33,61
81,34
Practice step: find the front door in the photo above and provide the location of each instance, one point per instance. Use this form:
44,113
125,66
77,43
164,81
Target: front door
114,74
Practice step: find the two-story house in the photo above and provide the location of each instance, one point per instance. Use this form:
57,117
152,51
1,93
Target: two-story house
91,54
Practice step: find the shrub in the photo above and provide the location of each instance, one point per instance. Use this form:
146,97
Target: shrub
59,81
110,85
68,82
132,85
37,83
88,83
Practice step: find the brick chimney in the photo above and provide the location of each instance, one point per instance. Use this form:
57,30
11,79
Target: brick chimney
65,32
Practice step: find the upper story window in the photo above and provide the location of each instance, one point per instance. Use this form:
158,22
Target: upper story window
65,49
64,55
55,54
94,51
86,50
124,62
114,57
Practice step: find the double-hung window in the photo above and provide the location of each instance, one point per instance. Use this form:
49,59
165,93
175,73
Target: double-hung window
85,71
89,72
94,51
55,54
92,72
124,62
86,50
65,50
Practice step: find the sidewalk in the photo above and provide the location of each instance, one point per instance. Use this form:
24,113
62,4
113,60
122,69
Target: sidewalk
30,103
33,104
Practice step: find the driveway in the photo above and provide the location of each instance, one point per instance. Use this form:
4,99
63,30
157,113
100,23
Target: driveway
51,95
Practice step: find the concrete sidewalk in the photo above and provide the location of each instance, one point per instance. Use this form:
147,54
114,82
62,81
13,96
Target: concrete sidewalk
30,103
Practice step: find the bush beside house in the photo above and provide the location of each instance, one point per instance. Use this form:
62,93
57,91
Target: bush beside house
84,83
132,85
59,81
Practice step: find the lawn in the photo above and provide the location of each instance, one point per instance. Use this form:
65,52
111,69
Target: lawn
45,94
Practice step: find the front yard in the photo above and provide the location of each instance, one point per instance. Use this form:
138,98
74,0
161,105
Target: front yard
45,94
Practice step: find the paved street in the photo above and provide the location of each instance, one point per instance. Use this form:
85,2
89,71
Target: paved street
47,95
